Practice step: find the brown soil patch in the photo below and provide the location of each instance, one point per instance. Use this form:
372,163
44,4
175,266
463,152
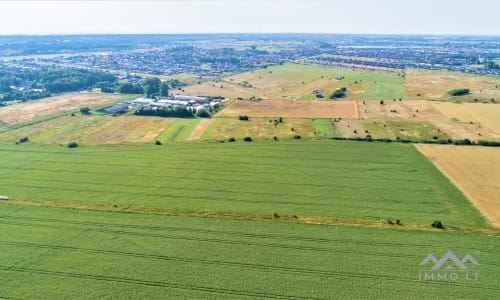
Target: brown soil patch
474,170
294,109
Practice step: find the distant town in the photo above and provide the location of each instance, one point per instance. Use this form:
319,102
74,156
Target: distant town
131,59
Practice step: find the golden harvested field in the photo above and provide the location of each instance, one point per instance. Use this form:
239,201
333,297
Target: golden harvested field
434,85
427,112
260,128
292,109
29,111
474,170
128,129
485,115
94,129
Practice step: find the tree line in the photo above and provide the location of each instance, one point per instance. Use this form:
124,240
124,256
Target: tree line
35,84
151,87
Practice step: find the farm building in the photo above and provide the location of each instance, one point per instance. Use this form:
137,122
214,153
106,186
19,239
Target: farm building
191,98
116,108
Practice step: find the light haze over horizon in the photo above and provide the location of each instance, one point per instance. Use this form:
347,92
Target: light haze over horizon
459,17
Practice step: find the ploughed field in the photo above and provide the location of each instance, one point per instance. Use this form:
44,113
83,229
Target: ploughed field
325,179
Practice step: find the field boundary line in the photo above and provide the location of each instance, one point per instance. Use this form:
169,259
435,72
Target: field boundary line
312,220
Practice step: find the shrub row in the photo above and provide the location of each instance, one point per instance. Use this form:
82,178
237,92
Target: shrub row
459,142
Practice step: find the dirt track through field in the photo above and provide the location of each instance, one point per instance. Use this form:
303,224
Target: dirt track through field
474,170
199,129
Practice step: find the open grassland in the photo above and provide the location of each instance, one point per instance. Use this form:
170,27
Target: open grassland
297,82
485,117
59,130
434,85
393,130
385,90
95,255
33,110
180,130
128,129
261,128
474,170
422,113
292,109
324,128
340,179
91,130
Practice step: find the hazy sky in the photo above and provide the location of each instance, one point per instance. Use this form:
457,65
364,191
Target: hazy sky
192,16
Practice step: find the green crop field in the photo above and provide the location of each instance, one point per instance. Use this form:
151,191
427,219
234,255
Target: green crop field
179,130
52,253
384,90
333,179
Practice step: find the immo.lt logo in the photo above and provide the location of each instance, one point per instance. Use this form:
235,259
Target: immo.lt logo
449,268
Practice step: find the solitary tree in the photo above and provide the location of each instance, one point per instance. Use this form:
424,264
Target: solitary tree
152,86
164,89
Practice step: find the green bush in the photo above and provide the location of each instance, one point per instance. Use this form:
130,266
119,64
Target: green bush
340,93
463,142
459,92
85,110
437,224
489,143
73,145
23,140
202,113
231,139
247,139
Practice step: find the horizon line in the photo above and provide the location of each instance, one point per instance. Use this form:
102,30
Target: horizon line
252,33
